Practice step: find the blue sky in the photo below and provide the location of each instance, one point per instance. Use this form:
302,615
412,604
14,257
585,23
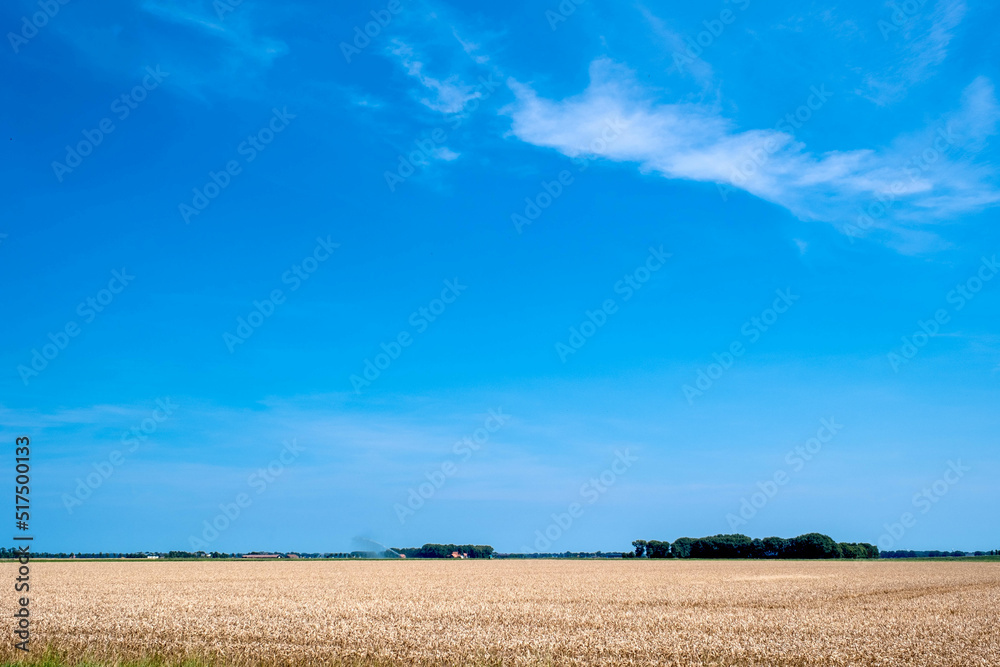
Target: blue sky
563,214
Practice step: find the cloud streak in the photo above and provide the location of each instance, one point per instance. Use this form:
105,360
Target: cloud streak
448,96
694,142
264,50
205,56
918,55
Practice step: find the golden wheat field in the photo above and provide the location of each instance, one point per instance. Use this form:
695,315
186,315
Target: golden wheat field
519,612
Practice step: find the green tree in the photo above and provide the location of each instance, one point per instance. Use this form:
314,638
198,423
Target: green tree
773,547
813,545
681,547
658,549
851,550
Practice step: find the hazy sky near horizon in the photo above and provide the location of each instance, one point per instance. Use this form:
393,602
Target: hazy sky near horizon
603,271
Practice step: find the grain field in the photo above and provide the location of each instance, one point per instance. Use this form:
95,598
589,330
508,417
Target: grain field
517,612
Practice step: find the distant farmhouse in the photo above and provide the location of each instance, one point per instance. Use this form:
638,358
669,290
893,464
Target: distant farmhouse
456,551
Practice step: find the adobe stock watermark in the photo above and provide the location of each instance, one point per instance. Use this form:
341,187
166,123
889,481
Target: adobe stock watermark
88,309
372,29
426,150
753,329
550,191
224,7
432,146
755,160
595,319
122,106
248,149
590,493
420,320
914,167
902,12
923,500
295,276
959,297
131,439
259,482
31,25
796,460
706,38
563,11
462,450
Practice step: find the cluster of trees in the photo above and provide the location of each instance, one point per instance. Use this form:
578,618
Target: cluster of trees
811,545
344,554
566,554
11,553
426,551
189,554
216,554
445,550
937,554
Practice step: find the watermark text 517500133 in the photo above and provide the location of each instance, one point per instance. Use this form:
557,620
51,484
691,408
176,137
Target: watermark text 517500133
22,480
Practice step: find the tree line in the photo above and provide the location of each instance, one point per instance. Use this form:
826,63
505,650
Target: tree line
188,555
445,551
565,555
810,545
937,554
12,553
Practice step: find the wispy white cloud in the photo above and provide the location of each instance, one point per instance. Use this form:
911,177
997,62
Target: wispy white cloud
921,47
695,142
447,96
981,112
203,54
446,154
364,100
88,416
233,31
470,48
697,68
